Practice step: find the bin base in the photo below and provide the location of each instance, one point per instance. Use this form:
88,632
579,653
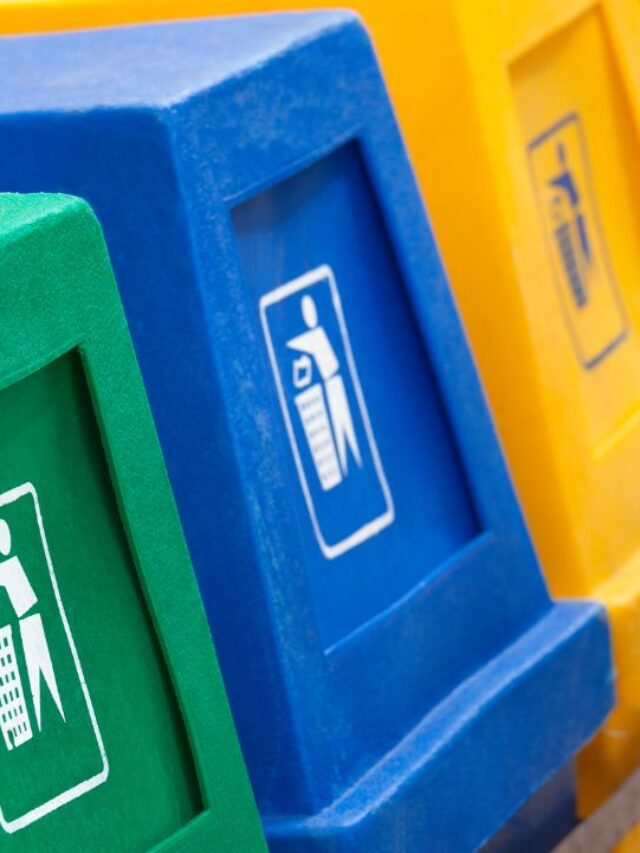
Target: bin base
477,758
544,820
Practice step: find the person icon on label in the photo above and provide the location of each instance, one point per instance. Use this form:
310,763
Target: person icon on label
323,406
15,722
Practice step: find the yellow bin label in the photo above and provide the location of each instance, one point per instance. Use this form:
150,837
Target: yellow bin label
588,294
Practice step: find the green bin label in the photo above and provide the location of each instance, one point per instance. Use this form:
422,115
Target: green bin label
51,749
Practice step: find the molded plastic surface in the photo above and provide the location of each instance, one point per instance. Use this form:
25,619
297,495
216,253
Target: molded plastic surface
115,728
395,666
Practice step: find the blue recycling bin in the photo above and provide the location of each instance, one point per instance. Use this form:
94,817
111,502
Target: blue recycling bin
399,677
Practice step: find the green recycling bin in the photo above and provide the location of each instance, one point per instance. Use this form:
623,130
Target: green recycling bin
115,732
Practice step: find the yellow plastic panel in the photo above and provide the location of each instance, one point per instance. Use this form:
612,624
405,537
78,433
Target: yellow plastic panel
586,176
522,119
553,157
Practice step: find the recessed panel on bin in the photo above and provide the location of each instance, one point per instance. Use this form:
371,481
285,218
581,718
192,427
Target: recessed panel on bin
360,408
72,716
95,739
386,637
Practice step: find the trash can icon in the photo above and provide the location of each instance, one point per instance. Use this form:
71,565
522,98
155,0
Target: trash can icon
14,717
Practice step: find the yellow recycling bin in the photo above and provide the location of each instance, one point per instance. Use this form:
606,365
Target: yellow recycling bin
532,177
523,119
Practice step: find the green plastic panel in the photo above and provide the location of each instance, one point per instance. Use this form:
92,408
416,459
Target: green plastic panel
114,729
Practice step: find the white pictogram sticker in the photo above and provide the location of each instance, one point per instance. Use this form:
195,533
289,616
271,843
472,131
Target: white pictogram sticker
39,667
324,410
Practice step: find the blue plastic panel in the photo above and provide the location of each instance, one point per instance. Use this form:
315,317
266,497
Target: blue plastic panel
390,469
417,687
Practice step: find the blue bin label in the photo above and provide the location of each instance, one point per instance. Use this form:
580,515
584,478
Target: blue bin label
588,292
325,413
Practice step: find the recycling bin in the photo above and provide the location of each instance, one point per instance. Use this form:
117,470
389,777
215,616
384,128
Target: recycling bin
538,122
115,731
397,671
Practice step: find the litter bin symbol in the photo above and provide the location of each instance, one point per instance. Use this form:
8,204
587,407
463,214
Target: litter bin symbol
325,414
51,750
14,717
589,298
